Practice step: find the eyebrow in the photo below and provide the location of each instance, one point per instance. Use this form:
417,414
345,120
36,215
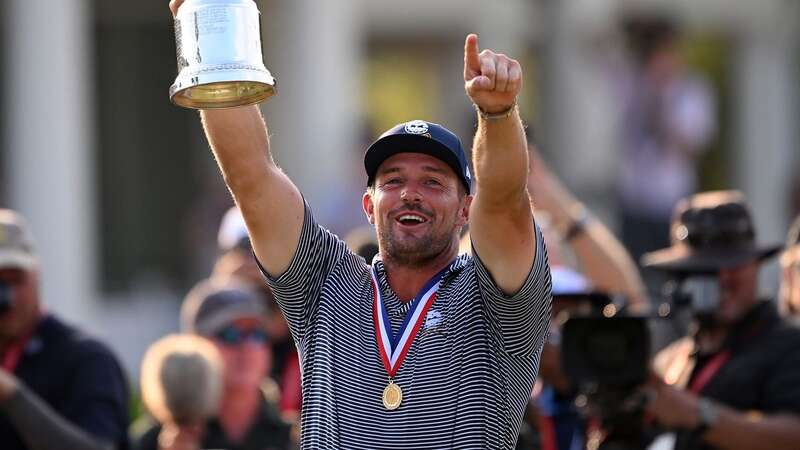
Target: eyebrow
394,169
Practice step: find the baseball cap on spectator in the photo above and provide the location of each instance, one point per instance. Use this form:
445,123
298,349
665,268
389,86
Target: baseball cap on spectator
567,283
419,136
233,231
211,307
17,250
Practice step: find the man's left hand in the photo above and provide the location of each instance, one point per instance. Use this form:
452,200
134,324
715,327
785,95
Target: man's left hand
492,80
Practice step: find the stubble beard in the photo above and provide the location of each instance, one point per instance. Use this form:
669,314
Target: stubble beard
413,251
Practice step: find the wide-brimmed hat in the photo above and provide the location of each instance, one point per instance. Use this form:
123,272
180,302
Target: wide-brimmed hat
710,231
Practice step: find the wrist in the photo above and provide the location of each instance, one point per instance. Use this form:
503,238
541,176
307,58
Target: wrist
704,417
497,114
579,218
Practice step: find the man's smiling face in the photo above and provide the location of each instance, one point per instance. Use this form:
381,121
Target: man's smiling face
418,207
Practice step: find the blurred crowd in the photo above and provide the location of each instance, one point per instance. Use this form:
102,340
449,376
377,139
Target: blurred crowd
727,377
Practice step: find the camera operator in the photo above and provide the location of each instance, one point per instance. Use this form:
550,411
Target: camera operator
60,389
735,382
560,423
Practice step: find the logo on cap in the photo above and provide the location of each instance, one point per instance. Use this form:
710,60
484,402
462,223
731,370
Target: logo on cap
416,127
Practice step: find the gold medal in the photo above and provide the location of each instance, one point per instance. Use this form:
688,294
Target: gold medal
392,396
393,357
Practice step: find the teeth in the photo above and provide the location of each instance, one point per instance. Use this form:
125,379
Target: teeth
411,217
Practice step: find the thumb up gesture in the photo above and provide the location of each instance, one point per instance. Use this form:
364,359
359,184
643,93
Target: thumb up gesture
492,80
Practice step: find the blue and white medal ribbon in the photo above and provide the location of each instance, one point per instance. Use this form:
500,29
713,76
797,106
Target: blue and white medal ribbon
393,348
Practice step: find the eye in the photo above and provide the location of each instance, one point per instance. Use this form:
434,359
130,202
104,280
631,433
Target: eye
433,182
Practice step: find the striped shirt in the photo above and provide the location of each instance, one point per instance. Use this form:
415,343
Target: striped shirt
466,378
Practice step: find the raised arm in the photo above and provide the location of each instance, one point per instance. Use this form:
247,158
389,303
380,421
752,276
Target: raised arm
271,205
501,222
601,256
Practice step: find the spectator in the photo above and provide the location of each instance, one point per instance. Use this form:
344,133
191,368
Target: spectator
561,426
59,388
181,382
735,382
667,121
233,318
236,262
598,253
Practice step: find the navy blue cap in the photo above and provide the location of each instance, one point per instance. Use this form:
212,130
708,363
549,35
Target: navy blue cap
419,136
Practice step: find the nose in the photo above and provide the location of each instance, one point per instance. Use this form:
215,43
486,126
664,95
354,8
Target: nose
411,195
728,277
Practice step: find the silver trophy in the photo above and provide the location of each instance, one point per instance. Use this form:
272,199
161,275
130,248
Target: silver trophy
219,55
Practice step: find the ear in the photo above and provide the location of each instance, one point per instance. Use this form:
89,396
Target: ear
369,207
463,213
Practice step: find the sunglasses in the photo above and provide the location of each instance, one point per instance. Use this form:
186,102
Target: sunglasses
234,336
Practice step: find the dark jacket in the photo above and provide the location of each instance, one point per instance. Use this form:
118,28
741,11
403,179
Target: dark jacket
762,373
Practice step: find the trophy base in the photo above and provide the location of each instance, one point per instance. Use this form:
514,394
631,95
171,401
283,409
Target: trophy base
219,55
223,94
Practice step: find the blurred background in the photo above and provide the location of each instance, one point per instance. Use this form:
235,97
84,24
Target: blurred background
125,199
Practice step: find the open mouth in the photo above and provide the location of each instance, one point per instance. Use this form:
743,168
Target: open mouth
411,219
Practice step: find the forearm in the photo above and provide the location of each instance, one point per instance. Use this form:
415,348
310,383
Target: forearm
43,429
601,256
500,159
735,430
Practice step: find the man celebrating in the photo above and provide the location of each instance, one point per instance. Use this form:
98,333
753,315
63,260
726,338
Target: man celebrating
425,348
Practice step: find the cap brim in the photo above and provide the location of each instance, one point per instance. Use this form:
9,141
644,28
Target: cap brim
684,259
388,146
225,318
11,259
